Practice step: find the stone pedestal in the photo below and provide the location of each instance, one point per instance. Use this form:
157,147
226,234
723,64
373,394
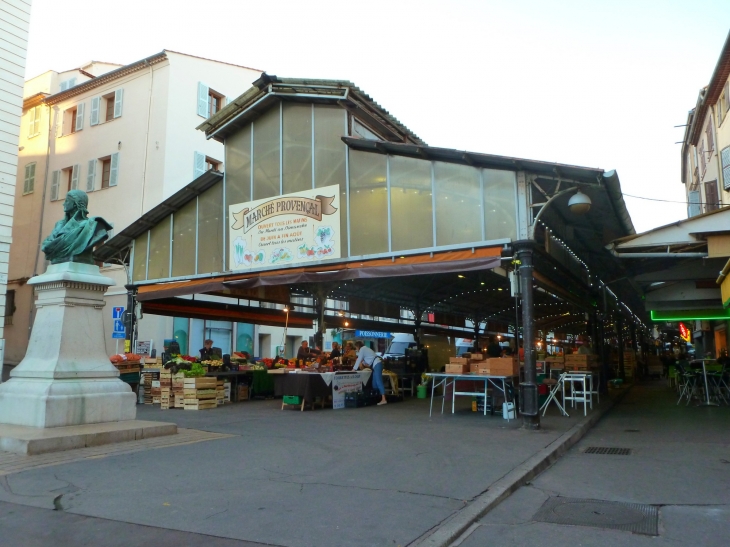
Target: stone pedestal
66,378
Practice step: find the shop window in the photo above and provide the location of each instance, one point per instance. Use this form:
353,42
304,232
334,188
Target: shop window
9,307
500,209
297,137
210,230
139,268
159,263
330,124
458,204
411,203
266,155
368,204
183,239
180,330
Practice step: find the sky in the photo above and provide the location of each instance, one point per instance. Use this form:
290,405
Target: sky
589,83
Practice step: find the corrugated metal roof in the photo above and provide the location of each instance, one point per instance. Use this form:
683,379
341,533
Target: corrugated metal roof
270,88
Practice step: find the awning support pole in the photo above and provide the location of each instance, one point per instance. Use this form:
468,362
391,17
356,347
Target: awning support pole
529,406
620,334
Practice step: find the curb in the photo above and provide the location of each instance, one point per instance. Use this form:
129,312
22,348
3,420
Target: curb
452,529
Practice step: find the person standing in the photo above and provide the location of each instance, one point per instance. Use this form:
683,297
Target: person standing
370,358
304,352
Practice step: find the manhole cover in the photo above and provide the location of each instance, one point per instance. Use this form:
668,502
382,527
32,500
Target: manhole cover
630,517
607,450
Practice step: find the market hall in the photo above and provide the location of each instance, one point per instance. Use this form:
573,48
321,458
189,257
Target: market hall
385,233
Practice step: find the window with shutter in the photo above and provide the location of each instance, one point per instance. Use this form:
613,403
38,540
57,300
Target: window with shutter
118,98
31,122
114,169
712,198
37,123
725,160
55,183
693,198
701,154
202,100
80,117
727,96
74,184
710,139
198,165
94,117
72,82
91,176
29,182
64,85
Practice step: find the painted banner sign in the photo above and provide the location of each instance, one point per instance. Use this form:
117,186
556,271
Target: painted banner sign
285,230
345,383
372,334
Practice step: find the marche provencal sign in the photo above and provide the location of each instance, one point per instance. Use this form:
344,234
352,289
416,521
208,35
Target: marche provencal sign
291,229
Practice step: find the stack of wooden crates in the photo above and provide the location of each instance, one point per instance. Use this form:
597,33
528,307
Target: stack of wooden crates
629,364
178,386
165,389
200,393
580,362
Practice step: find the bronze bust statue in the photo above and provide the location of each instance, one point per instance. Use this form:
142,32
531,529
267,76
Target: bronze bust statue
74,237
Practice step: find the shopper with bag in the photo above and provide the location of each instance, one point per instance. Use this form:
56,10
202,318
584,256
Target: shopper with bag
373,360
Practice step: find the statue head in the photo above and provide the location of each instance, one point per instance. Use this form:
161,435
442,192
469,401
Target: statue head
76,200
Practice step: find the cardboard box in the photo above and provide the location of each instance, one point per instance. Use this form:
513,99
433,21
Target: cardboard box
453,368
477,357
458,361
474,366
503,366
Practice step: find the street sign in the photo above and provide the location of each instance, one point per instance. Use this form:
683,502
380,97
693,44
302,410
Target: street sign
117,312
119,331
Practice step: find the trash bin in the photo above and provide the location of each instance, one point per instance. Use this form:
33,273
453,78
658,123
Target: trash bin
421,391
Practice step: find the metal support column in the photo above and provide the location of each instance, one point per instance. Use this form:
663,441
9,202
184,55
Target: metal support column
130,319
529,407
620,336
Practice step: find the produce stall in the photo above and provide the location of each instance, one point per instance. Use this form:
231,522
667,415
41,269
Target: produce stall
300,387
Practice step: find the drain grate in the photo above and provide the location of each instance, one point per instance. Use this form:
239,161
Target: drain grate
608,451
629,517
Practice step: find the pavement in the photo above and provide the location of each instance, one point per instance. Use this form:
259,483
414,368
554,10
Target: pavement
679,462
358,477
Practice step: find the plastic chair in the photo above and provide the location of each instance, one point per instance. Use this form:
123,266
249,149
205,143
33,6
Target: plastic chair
672,376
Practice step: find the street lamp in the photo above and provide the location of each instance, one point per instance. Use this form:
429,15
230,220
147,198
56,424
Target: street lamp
579,203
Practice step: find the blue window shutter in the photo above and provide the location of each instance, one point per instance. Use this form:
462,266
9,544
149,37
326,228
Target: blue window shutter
91,176
693,198
118,98
198,165
203,106
114,170
94,118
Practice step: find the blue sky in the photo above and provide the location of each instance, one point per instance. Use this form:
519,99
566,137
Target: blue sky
598,84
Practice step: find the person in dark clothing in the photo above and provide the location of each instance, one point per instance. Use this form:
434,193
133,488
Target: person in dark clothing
304,352
207,350
494,349
335,353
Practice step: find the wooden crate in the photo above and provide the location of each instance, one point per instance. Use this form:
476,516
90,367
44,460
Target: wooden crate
453,368
195,404
502,366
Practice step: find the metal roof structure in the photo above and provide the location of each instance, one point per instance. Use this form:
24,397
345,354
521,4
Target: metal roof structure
269,89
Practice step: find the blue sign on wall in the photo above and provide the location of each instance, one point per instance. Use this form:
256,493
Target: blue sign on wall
118,331
117,312
372,334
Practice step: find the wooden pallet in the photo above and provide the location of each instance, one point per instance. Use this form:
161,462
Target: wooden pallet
195,404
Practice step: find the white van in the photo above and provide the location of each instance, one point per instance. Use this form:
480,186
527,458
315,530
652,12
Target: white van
440,348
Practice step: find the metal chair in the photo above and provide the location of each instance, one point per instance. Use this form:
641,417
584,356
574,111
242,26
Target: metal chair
580,390
687,383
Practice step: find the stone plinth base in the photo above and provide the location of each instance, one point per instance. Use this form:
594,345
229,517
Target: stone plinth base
39,440
65,377
36,402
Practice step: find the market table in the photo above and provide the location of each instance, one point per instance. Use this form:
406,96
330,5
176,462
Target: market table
446,379
310,385
261,383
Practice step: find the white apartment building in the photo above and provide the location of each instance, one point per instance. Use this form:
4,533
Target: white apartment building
14,22
127,136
